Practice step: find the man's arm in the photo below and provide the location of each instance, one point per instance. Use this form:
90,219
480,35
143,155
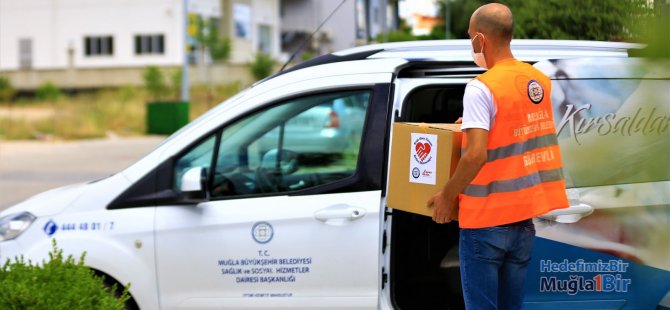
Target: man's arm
471,162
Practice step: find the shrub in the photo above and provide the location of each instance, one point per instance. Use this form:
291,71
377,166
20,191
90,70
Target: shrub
175,83
123,94
395,36
48,91
307,56
154,82
56,284
6,89
220,49
262,66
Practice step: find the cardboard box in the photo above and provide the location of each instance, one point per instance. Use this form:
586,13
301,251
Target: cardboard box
423,157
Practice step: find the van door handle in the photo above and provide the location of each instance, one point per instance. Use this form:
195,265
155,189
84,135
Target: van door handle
337,214
569,215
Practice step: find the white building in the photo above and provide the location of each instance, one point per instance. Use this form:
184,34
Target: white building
42,34
253,26
71,35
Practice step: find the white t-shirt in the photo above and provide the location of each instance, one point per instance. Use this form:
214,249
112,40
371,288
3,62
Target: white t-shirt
478,108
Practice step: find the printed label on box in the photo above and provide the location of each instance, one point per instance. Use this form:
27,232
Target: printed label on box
422,161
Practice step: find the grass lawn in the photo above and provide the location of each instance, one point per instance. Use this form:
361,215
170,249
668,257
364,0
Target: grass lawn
94,114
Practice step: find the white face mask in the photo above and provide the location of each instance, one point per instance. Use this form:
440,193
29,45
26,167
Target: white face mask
478,57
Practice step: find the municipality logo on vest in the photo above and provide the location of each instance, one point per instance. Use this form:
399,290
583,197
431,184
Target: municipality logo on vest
535,91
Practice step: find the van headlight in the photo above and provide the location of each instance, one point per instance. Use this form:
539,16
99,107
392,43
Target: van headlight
13,225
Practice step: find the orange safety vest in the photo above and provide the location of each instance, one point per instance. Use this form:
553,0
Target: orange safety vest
522,177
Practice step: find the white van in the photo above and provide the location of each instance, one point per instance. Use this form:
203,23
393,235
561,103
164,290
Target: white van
276,197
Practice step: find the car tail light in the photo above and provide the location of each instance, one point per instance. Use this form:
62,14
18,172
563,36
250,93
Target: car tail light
333,120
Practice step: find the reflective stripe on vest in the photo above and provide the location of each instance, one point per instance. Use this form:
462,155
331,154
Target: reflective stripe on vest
523,182
520,147
522,176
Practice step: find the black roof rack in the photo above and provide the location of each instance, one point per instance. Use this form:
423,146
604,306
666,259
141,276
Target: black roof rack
327,59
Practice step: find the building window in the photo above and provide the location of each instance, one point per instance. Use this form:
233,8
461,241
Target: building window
149,44
264,39
25,53
361,20
99,46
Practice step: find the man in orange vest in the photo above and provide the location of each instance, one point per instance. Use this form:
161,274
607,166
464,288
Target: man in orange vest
510,170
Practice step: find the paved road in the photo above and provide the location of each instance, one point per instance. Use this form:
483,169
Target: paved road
30,167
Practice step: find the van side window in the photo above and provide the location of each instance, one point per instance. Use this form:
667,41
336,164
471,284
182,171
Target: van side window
199,156
295,145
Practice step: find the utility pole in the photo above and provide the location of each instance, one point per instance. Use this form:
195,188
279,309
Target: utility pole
447,19
185,47
384,7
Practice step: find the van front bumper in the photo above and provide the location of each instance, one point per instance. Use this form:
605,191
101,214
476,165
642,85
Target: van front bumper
9,250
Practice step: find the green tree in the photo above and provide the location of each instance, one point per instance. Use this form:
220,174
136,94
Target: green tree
175,83
653,29
459,18
604,20
210,40
161,86
154,82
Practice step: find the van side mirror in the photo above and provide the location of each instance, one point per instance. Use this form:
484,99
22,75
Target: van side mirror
194,185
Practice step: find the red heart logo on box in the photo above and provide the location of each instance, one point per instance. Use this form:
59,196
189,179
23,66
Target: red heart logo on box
422,150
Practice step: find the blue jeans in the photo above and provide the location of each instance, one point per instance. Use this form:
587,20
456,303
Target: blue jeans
494,262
